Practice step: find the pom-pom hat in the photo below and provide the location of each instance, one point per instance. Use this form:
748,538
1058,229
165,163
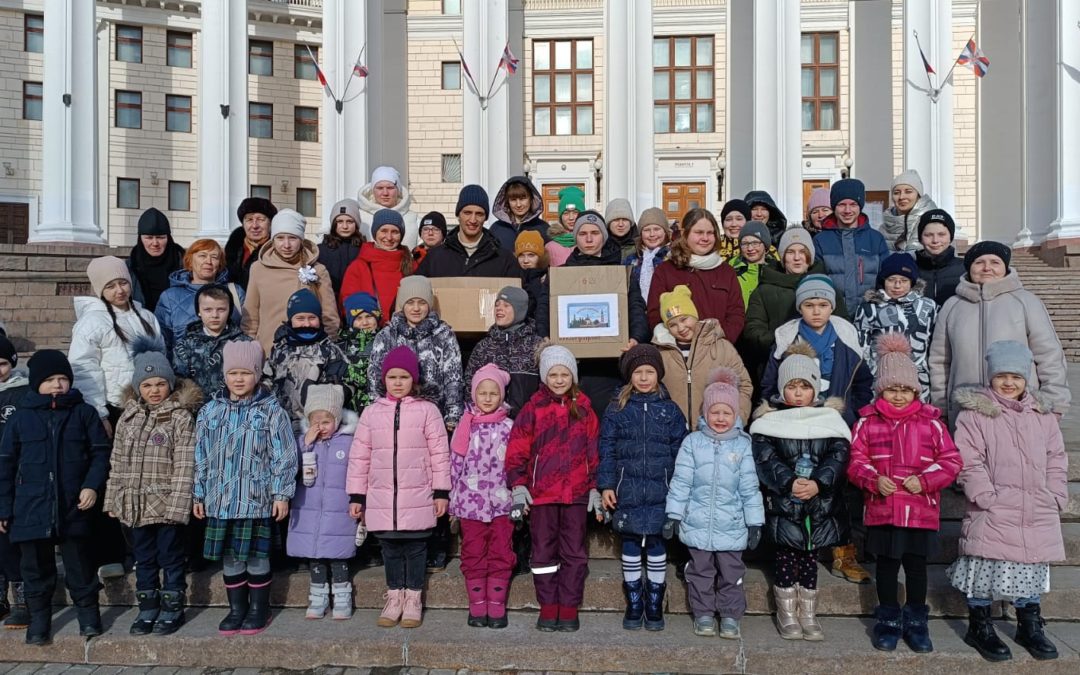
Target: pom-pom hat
895,367
723,389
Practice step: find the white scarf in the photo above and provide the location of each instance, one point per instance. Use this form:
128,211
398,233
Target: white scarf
706,262
648,266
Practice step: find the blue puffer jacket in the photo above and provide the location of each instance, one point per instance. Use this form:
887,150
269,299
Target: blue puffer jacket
638,445
714,490
852,256
176,306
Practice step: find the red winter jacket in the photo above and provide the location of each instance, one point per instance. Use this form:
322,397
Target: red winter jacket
898,444
552,453
716,294
377,272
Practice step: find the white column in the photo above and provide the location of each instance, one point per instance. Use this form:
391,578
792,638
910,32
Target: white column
1067,69
486,159
69,117
344,134
628,167
223,140
928,123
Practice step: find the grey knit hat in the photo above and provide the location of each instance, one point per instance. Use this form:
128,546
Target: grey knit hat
557,355
591,217
150,364
518,299
328,397
619,208
415,286
798,364
796,235
815,286
756,230
1009,356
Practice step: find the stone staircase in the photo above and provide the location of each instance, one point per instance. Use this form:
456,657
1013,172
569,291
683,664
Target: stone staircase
1059,289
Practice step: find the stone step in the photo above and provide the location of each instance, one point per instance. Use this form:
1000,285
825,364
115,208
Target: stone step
954,504
445,643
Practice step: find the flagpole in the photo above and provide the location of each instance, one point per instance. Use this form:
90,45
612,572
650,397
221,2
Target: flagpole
922,55
325,82
352,73
957,60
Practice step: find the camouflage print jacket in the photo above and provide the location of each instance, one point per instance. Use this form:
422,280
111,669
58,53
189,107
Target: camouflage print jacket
295,363
356,345
197,356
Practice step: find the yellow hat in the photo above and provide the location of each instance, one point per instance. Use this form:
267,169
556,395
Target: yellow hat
529,241
677,303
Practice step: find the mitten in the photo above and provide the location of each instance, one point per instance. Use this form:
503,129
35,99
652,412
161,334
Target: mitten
522,499
361,533
310,470
753,536
596,504
671,528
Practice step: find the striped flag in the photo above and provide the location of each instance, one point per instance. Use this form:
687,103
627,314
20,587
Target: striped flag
318,71
925,62
508,60
973,58
360,69
468,73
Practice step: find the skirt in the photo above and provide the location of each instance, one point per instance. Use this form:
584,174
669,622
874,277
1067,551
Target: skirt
241,538
979,577
889,541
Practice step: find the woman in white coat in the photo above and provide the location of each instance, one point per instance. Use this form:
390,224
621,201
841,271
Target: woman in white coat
386,191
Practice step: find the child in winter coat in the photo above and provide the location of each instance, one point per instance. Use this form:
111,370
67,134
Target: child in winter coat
399,482
54,459
356,340
13,388
715,504
1015,481
901,458
511,344
320,528
149,487
480,499
303,355
801,446
651,248
551,466
640,435
197,353
532,258
245,475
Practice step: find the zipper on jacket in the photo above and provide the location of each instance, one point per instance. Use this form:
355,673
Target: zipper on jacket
644,447
397,425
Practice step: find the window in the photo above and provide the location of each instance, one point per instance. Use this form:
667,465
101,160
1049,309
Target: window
129,44
127,193
562,87
305,202
303,65
31,105
34,33
820,81
260,57
683,94
451,7
260,120
178,113
261,191
451,75
129,109
179,195
306,124
177,49
451,168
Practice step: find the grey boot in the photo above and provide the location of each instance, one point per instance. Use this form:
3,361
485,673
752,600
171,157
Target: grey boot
318,601
172,613
787,612
343,602
20,615
149,608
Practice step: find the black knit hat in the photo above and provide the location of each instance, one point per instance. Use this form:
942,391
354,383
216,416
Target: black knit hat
8,353
434,218
473,195
940,216
987,248
256,205
735,205
641,355
46,363
154,223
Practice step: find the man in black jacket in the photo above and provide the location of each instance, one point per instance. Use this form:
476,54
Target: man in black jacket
470,250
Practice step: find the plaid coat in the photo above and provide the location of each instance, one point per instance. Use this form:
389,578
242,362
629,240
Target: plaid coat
153,459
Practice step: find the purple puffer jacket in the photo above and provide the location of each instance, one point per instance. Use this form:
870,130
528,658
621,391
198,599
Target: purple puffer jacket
478,478
319,524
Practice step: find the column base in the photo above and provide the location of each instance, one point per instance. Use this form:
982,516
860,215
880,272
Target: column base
1065,230
67,233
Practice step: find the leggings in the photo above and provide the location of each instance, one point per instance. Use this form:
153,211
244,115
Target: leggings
888,569
252,566
324,571
796,567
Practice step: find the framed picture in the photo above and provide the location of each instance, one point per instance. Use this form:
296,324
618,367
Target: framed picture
588,316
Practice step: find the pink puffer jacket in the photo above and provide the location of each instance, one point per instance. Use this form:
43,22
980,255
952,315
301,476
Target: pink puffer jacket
399,459
1014,476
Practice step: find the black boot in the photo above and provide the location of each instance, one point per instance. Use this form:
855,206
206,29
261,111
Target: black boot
1030,635
258,614
635,604
916,631
888,628
20,616
89,617
5,606
654,605
983,638
172,613
149,608
236,588
39,630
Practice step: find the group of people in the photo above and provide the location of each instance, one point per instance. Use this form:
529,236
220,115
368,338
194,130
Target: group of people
277,381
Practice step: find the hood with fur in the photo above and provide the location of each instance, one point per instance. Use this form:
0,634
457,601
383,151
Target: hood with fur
980,400
186,395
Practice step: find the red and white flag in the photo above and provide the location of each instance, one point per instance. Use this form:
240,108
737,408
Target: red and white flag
973,58
318,72
508,60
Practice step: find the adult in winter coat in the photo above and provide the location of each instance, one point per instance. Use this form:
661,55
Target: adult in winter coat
153,258
763,209
511,344
341,244
381,264
653,248
519,208
939,266
694,262
817,210
387,191
991,305
470,250
851,250
204,263
901,219
242,248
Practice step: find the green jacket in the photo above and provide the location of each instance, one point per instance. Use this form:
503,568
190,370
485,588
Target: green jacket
750,274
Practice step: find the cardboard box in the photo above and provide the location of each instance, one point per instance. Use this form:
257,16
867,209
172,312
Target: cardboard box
468,303
588,309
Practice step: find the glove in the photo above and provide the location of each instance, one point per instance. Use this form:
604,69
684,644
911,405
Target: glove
310,470
361,533
596,504
522,499
753,537
671,528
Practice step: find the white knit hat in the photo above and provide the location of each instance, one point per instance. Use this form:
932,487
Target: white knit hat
557,355
909,177
288,221
328,397
385,173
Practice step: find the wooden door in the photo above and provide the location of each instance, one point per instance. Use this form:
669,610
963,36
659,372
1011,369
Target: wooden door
550,193
681,197
14,222
809,186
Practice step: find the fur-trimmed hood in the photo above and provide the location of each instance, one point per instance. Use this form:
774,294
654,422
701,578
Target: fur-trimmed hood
878,296
983,401
186,395
347,424
823,420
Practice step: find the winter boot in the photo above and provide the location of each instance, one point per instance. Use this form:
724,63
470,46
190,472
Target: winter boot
729,628
342,601
634,591
568,619
412,615
39,630
811,629
888,628
89,616
149,608
497,591
5,606
916,631
20,616
395,603
548,621
654,605
1030,635
982,636
236,588
258,615
172,613
845,566
478,605
787,612
318,601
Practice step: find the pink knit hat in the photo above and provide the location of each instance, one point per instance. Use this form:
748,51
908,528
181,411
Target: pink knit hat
819,197
491,372
895,367
404,358
236,355
723,388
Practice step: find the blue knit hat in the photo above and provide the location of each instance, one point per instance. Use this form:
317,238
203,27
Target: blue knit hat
303,301
359,303
472,195
814,286
897,263
387,217
848,188
1009,356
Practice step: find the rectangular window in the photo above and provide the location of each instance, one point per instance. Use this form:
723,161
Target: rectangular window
127,193
178,49
451,168
260,120
303,65
260,57
178,113
306,124
179,195
129,43
31,107
305,202
261,191
452,7
451,75
820,81
562,87
129,109
683,73
34,33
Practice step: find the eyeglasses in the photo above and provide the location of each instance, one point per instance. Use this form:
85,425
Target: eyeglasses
752,244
